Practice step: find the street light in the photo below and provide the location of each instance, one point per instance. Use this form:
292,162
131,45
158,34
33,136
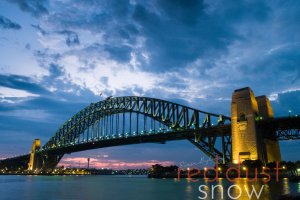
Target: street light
290,113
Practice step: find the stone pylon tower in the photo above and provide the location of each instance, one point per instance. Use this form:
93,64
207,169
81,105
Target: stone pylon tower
271,150
33,162
247,141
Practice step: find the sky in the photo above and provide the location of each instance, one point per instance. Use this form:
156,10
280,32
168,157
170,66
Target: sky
58,56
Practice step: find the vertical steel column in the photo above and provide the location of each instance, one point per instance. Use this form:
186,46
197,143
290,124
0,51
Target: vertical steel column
145,118
137,123
86,124
118,121
137,116
98,128
101,126
186,120
223,149
111,124
106,125
116,131
123,121
130,122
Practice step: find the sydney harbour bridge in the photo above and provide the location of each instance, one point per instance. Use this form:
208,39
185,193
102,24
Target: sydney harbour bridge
251,132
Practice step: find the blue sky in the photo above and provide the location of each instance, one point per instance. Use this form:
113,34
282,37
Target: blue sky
57,57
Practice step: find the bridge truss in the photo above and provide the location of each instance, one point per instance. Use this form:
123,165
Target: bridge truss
131,120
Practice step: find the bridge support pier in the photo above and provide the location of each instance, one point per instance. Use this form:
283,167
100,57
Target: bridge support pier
34,160
271,150
248,142
40,161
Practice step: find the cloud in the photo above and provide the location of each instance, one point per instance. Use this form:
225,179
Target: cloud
183,11
119,53
285,101
35,8
27,46
202,49
6,92
8,24
159,39
275,95
55,70
71,37
114,76
16,82
40,29
29,115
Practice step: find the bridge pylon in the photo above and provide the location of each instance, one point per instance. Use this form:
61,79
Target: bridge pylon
248,142
34,160
270,146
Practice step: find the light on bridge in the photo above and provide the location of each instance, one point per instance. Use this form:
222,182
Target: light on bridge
235,161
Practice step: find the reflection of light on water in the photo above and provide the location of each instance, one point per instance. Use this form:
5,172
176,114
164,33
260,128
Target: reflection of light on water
205,187
189,188
299,187
286,188
218,191
266,188
244,185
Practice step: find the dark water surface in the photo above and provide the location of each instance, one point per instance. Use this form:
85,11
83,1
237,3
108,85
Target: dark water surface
135,187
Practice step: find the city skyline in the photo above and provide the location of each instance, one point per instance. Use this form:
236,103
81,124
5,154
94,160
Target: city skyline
58,57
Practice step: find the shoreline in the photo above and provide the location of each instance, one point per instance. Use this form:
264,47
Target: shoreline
149,176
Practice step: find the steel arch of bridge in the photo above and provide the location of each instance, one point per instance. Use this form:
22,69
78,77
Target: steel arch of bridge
131,119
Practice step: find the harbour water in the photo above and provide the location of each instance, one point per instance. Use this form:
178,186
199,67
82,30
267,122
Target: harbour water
134,187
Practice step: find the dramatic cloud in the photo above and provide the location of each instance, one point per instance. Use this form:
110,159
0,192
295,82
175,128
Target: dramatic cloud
21,82
10,95
36,8
8,24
